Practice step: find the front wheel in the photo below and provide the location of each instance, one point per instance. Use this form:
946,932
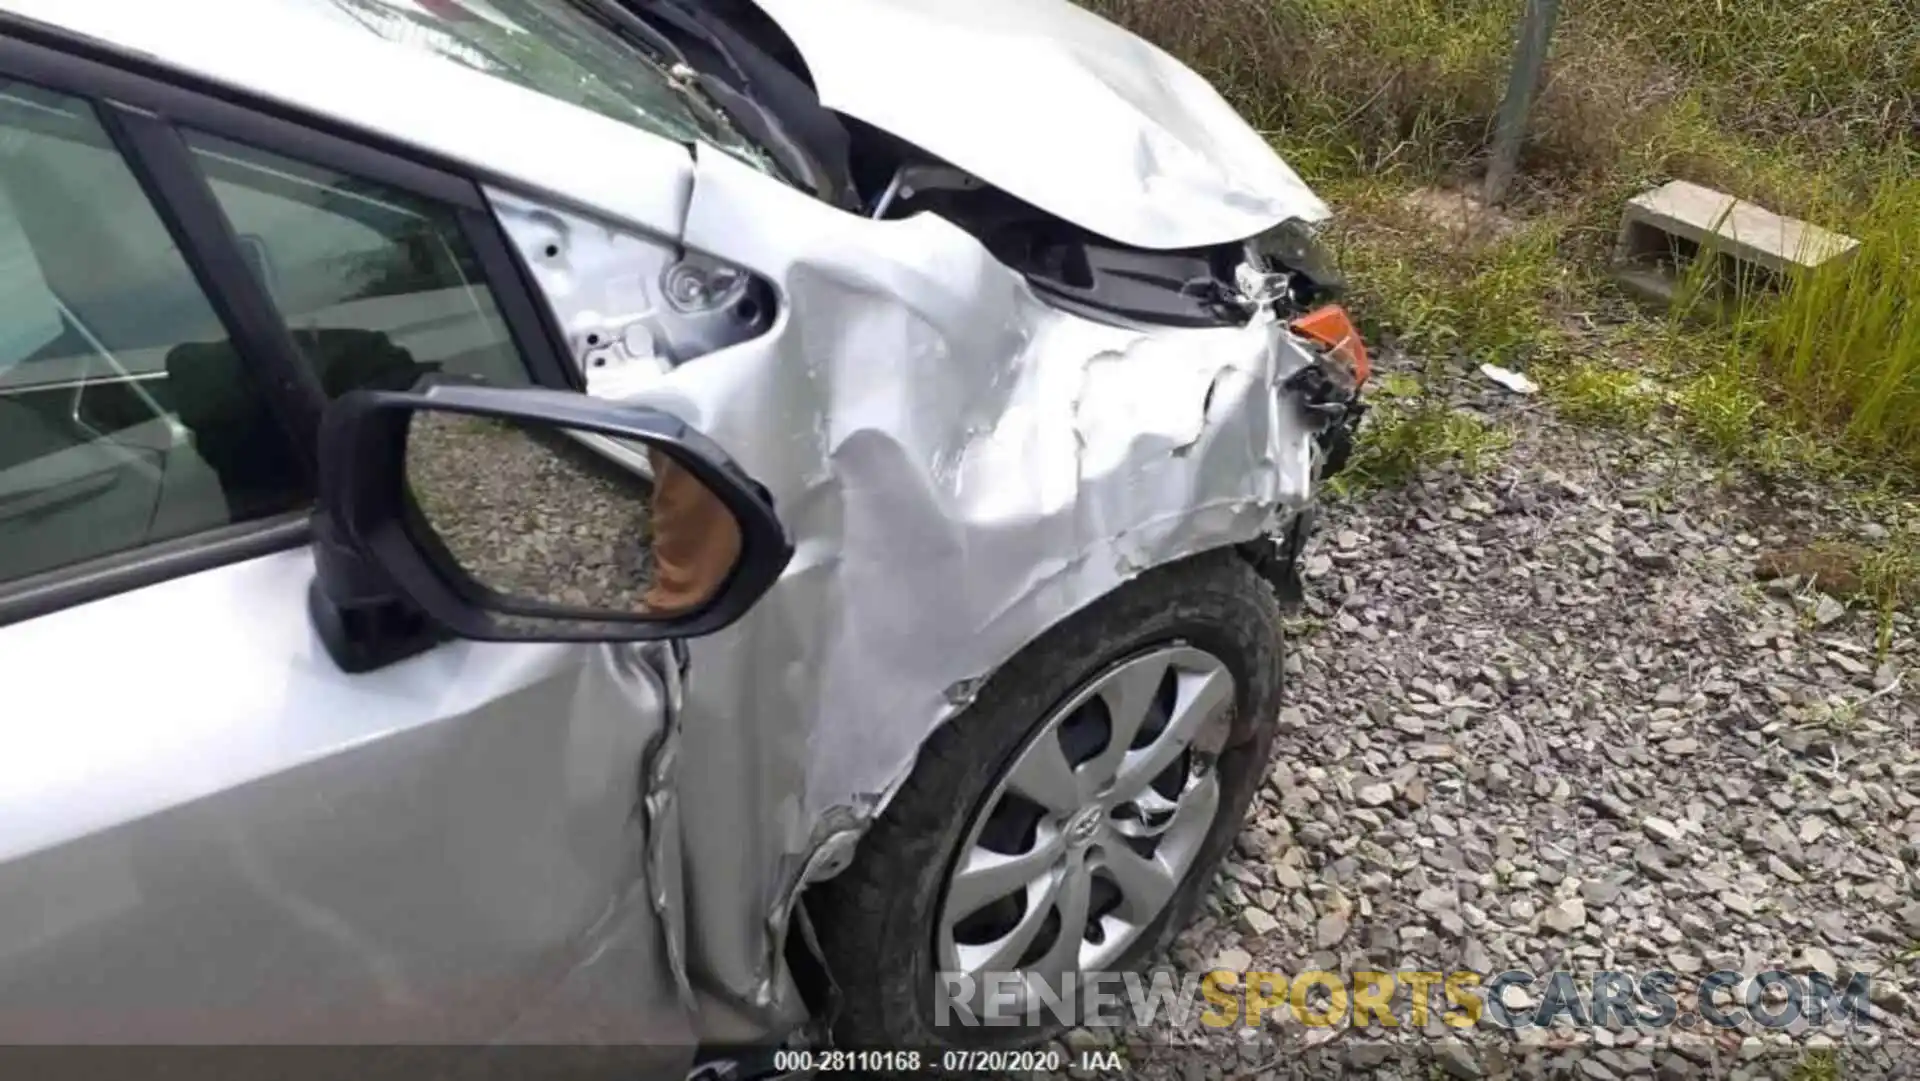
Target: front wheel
1067,822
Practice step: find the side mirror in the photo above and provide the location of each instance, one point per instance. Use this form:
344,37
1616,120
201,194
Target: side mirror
542,515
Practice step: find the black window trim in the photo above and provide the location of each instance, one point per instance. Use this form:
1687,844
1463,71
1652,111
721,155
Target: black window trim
83,68
146,109
166,168
151,564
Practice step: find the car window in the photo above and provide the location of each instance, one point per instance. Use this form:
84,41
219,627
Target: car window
127,416
378,286
111,413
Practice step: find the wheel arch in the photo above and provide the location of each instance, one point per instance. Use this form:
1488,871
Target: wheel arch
807,963
1205,584
1270,557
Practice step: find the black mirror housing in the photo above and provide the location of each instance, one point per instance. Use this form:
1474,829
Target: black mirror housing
531,514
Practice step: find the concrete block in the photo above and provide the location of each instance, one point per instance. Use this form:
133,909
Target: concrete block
1647,283
1691,218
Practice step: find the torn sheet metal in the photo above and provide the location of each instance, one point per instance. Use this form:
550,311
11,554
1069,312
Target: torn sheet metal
962,466
1056,106
619,294
660,809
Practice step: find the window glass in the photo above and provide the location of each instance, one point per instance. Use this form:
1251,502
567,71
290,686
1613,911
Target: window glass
378,287
125,418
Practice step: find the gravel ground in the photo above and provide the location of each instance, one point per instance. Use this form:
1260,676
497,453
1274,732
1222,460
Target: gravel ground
1546,718
532,524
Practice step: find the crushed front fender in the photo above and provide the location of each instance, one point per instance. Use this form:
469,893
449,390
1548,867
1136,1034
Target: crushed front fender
962,466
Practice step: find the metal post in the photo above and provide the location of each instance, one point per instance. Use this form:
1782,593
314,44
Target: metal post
1529,56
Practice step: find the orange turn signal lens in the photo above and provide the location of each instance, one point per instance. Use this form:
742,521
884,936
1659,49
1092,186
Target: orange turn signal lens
1331,327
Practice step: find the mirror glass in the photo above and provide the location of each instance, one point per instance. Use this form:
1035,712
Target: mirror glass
548,522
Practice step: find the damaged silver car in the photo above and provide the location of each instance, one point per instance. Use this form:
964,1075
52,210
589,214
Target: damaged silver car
687,527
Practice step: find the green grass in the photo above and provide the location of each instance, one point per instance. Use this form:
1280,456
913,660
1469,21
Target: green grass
1436,295
1594,393
1817,1064
1723,407
1890,579
1365,86
1407,434
1406,438
1842,346
1809,107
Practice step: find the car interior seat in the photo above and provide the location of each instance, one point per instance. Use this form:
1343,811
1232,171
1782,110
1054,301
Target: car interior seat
235,433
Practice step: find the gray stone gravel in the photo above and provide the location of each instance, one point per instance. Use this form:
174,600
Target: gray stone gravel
1544,717
526,522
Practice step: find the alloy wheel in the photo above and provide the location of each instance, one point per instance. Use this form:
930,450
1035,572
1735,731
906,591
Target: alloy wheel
1082,842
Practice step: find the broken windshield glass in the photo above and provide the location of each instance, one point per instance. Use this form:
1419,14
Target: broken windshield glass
557,49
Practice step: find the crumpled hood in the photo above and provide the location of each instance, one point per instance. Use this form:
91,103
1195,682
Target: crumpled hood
1055,106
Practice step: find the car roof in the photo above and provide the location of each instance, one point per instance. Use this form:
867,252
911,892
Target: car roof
300,53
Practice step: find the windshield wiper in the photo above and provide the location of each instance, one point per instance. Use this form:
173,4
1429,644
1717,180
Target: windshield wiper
669,60
626,22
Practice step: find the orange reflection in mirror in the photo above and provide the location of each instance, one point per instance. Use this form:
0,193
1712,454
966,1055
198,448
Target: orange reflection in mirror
696,541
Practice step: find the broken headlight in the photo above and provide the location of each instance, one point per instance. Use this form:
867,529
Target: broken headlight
1294,248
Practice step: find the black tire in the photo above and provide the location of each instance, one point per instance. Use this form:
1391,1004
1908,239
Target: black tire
874,919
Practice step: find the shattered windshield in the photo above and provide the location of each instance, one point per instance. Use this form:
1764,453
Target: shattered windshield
554,47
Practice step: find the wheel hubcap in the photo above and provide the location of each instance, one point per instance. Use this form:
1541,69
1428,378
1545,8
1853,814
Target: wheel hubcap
1082,842
1083,826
